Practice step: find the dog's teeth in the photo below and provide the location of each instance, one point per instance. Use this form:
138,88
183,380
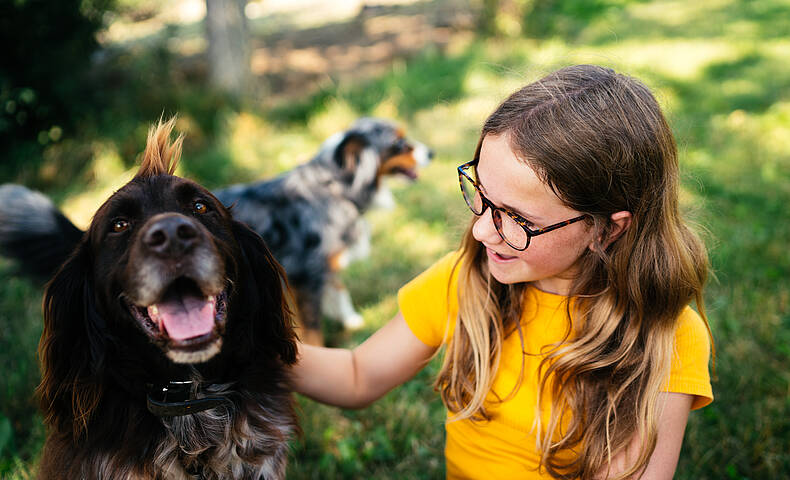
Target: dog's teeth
211,299
153,314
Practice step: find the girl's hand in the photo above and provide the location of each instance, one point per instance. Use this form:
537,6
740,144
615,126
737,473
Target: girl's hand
355,378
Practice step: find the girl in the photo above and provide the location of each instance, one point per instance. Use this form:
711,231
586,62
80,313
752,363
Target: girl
570,350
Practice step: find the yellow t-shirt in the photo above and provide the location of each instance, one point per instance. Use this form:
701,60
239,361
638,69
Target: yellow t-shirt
504,447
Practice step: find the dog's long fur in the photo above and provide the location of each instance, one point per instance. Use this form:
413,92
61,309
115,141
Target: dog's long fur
98,357
311,217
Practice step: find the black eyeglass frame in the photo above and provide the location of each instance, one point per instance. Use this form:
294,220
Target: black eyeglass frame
521,221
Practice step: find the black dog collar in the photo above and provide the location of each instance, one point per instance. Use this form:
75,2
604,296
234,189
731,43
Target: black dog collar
178,398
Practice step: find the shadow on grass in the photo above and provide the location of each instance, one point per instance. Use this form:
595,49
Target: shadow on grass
417,84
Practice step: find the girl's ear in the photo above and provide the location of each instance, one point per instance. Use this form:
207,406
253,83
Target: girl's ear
620,223
72,346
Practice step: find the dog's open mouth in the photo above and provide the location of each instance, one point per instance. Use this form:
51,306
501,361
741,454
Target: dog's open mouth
410,173
184,321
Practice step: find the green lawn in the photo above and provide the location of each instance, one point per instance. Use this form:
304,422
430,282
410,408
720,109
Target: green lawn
720,68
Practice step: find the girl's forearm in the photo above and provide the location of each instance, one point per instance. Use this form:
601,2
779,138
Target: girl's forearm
356,378
328,375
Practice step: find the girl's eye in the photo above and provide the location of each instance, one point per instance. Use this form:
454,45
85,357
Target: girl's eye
200,207
119,225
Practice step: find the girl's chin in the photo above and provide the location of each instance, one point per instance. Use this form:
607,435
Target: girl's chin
504,269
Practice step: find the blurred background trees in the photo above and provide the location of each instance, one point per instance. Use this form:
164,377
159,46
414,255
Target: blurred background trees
47,52
228,50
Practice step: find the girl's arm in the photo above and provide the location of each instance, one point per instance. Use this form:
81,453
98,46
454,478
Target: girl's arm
671,426
355,378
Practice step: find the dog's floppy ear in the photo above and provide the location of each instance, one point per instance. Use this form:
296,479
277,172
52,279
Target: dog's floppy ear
71,349
271,323
348,150
358,160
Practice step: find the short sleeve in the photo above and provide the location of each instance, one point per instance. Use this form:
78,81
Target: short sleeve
429,302
690,373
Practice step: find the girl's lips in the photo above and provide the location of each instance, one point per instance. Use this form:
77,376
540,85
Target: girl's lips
499,258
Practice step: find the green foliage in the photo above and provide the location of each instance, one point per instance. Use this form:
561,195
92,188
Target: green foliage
47,48
20,327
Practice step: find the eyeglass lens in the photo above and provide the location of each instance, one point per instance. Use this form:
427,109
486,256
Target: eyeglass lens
510,231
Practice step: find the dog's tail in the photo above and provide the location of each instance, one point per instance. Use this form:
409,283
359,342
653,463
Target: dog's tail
34,232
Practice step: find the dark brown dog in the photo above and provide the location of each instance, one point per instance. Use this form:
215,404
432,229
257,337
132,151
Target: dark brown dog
166,336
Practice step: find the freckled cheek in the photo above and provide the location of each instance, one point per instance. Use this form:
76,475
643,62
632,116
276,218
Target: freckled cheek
538,256
562,250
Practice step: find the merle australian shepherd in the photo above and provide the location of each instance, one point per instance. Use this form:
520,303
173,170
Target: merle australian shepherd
166,333
311,217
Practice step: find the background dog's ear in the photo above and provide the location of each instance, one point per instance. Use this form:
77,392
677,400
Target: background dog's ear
348,150
265,300
71,349
358,160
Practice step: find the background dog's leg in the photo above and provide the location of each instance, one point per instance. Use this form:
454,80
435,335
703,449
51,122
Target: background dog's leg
309,314
336,304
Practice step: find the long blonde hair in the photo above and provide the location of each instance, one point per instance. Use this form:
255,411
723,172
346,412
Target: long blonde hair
600,141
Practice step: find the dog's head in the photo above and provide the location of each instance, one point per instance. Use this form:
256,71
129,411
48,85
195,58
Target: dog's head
164,280
373,148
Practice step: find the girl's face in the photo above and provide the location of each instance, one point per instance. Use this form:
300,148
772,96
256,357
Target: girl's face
550,260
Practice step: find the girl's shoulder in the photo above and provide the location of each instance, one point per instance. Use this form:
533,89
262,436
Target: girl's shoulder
429,302
691,357
692,328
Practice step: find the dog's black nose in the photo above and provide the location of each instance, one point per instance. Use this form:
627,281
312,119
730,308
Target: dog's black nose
171,236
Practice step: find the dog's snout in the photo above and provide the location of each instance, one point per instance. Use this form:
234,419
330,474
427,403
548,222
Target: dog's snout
171,236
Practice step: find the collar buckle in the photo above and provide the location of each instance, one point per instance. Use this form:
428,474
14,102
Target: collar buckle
178,398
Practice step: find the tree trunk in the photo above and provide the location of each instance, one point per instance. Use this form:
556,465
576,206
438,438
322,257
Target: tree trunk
228,46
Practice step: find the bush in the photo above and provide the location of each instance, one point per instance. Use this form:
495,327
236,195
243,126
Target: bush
47,48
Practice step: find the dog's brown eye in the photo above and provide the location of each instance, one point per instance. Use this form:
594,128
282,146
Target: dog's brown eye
119,225
200,207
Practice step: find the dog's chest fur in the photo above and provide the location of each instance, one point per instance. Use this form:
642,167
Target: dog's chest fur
243,439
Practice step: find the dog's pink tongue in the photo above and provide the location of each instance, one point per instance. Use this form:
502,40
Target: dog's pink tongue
187,317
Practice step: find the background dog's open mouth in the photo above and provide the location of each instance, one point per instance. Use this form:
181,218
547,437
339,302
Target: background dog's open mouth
404,164
183,316
411,173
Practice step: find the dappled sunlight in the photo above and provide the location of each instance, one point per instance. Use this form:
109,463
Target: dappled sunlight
336,116
246,134
678,58
123,30
759,141
354,48
677,13
285,149
381,312
107,173
458,126
414,239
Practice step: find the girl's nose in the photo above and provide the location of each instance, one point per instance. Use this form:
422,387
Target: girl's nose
484,231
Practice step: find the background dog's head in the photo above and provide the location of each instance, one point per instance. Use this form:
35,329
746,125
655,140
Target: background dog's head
371,149
164,283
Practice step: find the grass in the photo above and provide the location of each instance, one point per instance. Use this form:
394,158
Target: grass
719,67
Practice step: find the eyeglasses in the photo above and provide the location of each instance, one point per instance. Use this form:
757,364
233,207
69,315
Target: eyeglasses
511,226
